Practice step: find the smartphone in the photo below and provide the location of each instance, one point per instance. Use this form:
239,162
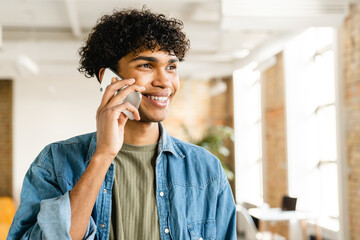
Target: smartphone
133,98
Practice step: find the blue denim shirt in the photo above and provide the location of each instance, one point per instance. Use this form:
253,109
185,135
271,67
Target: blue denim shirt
196,201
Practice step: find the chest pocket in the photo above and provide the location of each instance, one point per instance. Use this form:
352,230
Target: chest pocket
202,230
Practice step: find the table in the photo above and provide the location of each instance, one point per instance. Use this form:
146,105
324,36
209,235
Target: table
277,215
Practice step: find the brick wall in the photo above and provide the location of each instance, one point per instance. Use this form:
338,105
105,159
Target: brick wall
222,113
6,138
275,167
351,69
275,134
222,105
190,108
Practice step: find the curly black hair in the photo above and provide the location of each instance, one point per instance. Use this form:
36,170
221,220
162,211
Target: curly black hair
130,31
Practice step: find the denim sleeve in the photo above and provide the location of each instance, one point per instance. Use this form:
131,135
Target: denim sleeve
225,213
44,211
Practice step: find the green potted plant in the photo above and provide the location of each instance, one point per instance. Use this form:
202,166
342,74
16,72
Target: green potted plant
214,140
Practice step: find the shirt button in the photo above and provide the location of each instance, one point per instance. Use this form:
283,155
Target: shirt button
105,191
201,238
166,230
161,194
102,225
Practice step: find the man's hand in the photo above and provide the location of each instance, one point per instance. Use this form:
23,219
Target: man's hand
110,121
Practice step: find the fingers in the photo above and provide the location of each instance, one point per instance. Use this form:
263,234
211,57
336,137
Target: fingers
119,98
113,87
115,111
132,109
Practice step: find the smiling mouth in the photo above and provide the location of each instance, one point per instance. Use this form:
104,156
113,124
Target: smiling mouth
157,98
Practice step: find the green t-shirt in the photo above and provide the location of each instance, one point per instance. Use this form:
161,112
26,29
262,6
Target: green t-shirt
134,211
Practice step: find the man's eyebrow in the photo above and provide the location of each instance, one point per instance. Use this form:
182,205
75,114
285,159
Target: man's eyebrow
174,60
152,59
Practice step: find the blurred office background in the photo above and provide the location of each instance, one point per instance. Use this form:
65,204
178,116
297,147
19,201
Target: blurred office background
285,74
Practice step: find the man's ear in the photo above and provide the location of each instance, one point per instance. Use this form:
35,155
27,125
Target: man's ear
101,74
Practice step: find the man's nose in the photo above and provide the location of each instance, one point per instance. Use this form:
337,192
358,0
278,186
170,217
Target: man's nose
162,79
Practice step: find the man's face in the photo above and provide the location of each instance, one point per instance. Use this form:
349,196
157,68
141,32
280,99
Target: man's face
157,72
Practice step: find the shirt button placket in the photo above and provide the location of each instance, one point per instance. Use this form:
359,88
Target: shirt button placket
162,194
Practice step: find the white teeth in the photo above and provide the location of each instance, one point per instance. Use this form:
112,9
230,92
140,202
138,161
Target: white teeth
160,99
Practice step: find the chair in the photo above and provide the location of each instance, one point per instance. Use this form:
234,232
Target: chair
7,212
246,228
288,203
247,206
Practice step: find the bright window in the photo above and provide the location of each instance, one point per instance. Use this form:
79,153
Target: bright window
311,122
248,140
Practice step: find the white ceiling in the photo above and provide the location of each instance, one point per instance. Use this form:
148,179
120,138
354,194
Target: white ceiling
51,31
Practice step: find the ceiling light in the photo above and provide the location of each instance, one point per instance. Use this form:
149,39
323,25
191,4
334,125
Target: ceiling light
26,65
239,54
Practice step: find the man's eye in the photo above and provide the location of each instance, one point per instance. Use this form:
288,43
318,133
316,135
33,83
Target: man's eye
146,65
172,67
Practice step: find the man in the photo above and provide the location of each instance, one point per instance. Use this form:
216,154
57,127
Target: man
130,179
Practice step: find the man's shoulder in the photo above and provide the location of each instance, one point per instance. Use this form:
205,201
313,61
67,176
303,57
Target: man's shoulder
194,151
79,139
188,146
75,147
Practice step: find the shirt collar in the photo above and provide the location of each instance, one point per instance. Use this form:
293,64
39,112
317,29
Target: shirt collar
166,144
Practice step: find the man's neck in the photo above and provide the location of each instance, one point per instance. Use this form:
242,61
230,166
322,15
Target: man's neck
141,133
